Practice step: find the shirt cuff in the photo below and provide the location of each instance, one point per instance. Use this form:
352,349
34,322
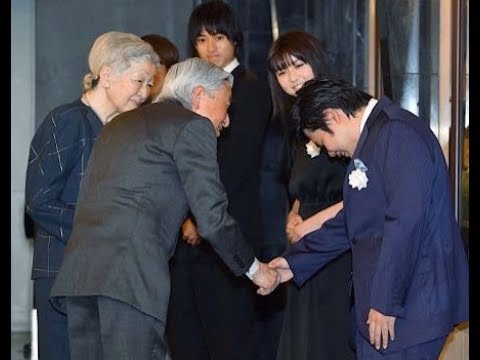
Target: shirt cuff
253,269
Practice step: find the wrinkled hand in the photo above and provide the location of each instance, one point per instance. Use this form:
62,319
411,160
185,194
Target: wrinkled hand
189,233
292,222
266,278
281,265
379,328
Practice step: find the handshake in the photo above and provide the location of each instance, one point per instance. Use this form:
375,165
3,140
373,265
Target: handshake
269,276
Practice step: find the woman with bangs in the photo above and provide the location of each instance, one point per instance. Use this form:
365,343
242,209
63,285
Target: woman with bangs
316,321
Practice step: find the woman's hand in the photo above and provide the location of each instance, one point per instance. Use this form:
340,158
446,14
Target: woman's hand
293,221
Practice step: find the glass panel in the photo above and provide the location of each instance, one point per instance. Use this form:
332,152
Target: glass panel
340,25
409,31
346,46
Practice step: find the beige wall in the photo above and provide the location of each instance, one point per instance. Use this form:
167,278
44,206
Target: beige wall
457,345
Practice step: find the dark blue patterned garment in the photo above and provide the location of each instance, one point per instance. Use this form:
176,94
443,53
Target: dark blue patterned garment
59,153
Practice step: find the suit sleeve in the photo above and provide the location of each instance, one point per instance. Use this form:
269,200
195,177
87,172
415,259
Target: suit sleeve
408,170
317,249
196,161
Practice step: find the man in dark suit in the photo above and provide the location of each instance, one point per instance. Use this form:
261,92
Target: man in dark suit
410,271
147,169
199,324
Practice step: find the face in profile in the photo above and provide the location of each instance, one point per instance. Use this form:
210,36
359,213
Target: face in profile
216,49
292,78
129,89
214,106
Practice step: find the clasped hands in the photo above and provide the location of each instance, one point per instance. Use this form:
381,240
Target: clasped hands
269,276
266,279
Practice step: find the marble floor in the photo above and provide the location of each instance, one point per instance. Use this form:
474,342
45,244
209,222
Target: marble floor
20,345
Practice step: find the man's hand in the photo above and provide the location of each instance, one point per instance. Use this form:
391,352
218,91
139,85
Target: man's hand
189,233
379,328
266,278
281,265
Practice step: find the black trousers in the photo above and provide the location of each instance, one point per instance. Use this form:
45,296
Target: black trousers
102,328
212,312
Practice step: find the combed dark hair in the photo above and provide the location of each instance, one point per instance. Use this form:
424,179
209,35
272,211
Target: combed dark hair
217,17
320,94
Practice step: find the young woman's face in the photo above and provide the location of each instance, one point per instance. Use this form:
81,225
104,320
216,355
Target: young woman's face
216,49
294,76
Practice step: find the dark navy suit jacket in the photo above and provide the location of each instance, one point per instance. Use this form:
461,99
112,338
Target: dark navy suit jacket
408,257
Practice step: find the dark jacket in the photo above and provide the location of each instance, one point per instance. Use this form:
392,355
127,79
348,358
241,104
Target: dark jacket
240,150
59,153
149,166
408,258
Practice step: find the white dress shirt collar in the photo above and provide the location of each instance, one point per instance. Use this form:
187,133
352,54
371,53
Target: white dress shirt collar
368,110
231,66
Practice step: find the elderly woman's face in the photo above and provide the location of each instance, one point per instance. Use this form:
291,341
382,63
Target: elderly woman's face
129,89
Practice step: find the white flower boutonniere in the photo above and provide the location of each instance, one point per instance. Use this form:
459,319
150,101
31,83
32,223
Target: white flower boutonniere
358,177
312,149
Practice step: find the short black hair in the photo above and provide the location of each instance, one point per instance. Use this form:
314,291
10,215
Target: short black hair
319,94
217,17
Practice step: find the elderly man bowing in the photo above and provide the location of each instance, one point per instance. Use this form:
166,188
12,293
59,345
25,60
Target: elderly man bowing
148,168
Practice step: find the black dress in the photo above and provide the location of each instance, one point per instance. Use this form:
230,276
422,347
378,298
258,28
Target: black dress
317,315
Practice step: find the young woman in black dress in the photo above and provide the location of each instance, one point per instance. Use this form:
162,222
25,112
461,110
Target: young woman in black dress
316,321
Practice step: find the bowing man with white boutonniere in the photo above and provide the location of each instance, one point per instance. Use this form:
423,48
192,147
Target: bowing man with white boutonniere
410,269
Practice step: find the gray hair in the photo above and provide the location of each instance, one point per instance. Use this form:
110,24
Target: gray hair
117,50
183,77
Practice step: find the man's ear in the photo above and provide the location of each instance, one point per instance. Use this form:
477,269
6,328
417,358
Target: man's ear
197,95
330,115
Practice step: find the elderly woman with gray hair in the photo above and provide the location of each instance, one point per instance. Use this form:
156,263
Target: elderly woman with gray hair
122,67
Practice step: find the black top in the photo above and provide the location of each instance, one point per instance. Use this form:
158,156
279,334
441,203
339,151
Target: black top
317,182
